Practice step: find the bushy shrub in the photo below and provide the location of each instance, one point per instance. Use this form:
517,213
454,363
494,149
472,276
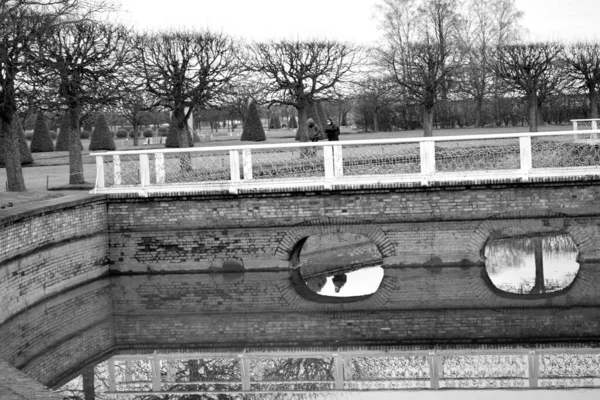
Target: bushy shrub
162,131
62,143
102,136
28,135
148,133
253,130
293,124
121,133
84,135
53,135
42,140
24,149
131,133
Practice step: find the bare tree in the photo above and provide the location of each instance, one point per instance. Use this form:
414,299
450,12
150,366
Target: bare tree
86,59
582,63
375,93
527,68
186,71
298,73
486,24
420,51
23,23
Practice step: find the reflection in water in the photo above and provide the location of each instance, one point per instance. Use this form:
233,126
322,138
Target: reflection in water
341,265
532,265
354,283
144,377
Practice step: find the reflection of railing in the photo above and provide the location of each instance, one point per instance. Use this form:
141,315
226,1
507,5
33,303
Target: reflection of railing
298,372
348,164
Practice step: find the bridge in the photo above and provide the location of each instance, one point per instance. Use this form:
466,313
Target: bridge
198,258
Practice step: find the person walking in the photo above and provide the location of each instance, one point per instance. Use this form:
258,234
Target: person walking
332,131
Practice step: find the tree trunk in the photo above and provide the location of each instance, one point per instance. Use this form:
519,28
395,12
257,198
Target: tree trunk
479,112
75,160
135,131
427,121
533,112
302,133
593,104
539,286
89,391
540,116
12,156
376,120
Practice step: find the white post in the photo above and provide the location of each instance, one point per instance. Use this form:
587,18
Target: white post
328,162
245,362
112,378
594,124
574,125
338,161
99,172
155,374
533,364
247,162
427,148
435,369
525,152
144,170
234,165
117,169
339,371
159,165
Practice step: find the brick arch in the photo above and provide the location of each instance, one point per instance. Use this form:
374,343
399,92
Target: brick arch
327,225
521,223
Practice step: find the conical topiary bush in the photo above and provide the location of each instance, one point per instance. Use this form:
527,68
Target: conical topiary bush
253,130
41,141
293,124
24,149
62,142
102,136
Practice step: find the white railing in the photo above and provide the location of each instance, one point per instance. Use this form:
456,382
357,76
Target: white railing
346,164
585,124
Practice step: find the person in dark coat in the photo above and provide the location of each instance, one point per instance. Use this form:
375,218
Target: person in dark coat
332,131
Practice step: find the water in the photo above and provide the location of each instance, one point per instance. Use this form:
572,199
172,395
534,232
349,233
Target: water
511,264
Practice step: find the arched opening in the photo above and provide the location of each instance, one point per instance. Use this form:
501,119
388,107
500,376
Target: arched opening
532,265
340,264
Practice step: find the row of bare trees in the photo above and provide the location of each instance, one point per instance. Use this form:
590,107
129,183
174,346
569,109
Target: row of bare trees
58,54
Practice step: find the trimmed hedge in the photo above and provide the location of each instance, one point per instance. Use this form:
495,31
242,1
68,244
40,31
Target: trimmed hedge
62,143
84,135
162,131
41,141
23,147
148,133
102,136
253,130
122,133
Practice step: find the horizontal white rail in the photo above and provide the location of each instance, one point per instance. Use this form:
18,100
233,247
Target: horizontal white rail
343,164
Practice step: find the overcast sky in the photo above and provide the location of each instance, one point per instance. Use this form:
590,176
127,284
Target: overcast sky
350,20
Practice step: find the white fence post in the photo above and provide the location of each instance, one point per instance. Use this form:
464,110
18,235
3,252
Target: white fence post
112,376
234,165
328,161
525,153
247,163
159,165
427,148
338,161
594,124
574,125
117,169
533,370
435,369
99,171
144,170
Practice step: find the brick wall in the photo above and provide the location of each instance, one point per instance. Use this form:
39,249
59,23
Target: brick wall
425,226
47,250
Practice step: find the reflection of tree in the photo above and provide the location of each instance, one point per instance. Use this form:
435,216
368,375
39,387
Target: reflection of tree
316,284
529,254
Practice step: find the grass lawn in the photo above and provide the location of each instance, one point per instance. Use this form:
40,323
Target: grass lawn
222,138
